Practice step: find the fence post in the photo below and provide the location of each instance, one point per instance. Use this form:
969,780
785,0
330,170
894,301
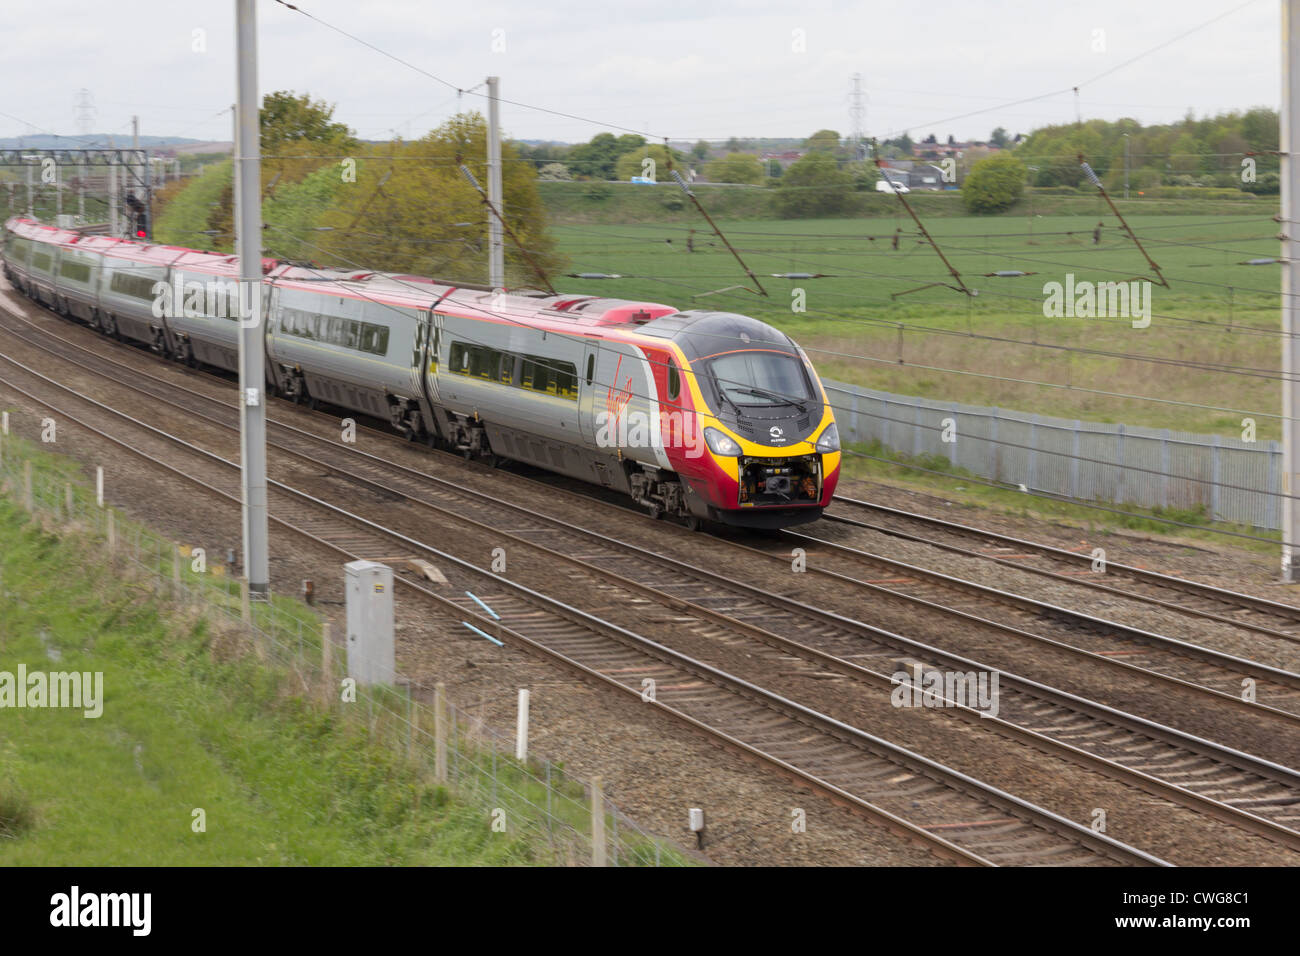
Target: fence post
67,498
440,732
245,610
521,727
99,486
1074,460
327,658
597,823
111,532
917,428
993,469
1164,467
28,502
1274,470
1119,464
1032,483
176,570
1216,472
884,423
957,433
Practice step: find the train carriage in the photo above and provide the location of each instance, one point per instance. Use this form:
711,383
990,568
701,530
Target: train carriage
700,414
81,263
355,340
129,295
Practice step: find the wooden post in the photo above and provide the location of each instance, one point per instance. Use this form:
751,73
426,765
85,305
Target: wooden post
327,659
245,609
176,571
67,498
112,533
597,823
28,502
440,733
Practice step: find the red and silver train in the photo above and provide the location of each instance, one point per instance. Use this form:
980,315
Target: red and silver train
709,416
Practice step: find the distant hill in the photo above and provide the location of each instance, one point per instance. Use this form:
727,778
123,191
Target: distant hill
46,141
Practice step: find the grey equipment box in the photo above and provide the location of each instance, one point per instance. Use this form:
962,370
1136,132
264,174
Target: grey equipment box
370,622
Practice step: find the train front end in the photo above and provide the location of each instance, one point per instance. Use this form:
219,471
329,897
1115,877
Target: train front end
769,449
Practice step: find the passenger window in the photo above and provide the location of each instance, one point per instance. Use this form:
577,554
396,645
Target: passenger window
591,368
674,380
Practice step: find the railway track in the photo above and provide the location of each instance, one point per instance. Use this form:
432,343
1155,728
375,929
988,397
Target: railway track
1188,667
1175,594
1257,795
953,814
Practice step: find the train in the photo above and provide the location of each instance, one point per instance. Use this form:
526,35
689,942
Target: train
698,415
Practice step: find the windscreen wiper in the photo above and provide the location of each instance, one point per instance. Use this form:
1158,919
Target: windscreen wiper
780,399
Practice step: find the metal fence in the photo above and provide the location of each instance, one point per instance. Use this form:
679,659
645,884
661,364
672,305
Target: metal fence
565,820
1233,480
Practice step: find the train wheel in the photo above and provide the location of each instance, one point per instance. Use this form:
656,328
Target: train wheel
654,511
693,523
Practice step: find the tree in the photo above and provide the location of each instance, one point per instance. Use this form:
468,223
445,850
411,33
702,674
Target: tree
814,186
865,175
701,150
554,172
596,159
287,118
298,136
401,214
994,184
999,138
736,168
633,162
823,141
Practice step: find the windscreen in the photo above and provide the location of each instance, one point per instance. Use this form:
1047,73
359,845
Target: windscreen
760,378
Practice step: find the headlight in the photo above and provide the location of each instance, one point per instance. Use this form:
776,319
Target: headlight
719,443
830,440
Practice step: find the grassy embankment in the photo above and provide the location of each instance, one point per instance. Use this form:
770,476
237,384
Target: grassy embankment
198,716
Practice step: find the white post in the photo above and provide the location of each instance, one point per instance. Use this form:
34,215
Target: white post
99,486
4,423
1289,143
496,248
248,243
521,727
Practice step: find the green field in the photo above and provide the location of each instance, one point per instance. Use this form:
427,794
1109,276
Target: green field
943,344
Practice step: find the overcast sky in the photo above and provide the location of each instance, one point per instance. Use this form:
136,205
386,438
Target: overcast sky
704,69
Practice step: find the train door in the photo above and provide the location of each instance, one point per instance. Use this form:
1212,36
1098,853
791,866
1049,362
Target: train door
433,360
421,367
591,392
275,375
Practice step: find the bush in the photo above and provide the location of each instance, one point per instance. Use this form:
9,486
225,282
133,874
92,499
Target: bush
736,168
1269,184
815,186
994,184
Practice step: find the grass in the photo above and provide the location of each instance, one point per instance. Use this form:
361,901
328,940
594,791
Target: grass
942,344
196,718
